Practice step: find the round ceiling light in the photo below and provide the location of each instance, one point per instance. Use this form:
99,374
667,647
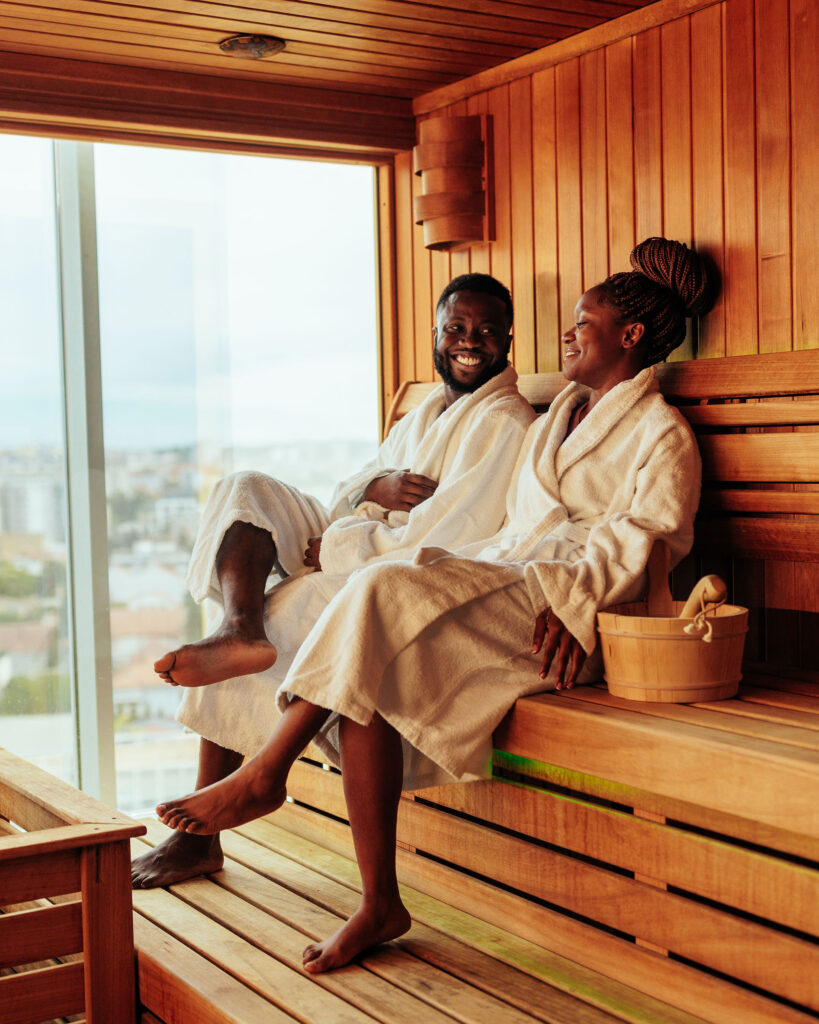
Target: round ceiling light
252,47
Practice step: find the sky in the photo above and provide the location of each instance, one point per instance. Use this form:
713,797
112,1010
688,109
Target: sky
237,298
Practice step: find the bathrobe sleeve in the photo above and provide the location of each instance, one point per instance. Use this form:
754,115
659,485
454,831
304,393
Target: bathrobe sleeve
393,454
665,500
468,504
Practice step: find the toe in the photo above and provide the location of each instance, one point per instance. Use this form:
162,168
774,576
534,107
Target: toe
166,662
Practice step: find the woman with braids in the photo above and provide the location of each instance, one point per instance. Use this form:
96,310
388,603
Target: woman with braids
411,667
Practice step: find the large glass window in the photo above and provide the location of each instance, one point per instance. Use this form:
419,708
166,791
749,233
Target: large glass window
237,330
36,718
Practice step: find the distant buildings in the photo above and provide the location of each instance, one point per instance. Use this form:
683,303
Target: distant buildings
154,504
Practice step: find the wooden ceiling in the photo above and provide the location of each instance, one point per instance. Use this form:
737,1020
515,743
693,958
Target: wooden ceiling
344,82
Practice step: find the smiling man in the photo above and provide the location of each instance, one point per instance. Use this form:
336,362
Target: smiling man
438,480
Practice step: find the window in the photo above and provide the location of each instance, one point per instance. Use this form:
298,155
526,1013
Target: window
36,717
236,330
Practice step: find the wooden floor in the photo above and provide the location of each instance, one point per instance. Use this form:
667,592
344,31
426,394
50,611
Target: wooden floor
228,949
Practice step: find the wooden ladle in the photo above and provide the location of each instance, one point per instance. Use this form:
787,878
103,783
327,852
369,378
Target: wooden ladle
709,590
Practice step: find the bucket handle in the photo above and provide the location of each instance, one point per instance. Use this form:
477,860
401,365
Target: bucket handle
660,604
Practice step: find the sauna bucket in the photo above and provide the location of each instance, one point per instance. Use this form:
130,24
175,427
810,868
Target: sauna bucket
650,657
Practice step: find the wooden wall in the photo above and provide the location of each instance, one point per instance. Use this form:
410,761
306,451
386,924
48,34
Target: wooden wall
701,128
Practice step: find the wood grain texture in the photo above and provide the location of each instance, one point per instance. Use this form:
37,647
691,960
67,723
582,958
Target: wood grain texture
707,170
686,989
34,799
739,272
522,284
544,183
491,957
804,43
593,178
47,874
276,889
630,25
180,986
108,940
500,251
569,189
752,882
773,176
620,154
33,996
679,760
696,140
286,989
761,457
40,933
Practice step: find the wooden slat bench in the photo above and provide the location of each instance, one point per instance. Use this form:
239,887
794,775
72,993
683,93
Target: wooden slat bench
672,848
632,862
228,948
66,941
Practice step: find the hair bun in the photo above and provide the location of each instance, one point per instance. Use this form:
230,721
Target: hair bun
676,267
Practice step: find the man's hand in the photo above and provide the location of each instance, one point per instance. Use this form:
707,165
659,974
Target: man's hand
312,552
400,491
560,644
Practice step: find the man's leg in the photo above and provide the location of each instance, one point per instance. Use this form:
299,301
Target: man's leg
371,770
182,855
239,646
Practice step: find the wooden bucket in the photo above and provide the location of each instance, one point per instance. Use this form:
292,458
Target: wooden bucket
652,658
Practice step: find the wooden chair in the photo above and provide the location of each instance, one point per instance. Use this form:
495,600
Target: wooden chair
65,891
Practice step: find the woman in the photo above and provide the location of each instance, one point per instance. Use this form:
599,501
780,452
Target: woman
409,670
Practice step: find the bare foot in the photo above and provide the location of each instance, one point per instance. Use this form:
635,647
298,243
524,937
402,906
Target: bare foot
243,796
369,926
225,654
177,858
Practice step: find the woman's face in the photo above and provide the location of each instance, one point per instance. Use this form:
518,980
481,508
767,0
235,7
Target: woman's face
598,350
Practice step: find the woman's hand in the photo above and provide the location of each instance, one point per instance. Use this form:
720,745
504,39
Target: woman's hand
560,645
312,553
400,491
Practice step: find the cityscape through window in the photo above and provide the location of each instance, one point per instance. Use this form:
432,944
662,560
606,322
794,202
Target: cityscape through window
237,330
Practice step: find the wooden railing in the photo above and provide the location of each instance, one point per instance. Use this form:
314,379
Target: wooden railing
65,895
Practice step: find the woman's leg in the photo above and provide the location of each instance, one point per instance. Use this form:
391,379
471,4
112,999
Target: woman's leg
239,646
371,770
257,787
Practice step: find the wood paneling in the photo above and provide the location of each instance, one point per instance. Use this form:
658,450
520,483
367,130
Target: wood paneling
340,52
701,129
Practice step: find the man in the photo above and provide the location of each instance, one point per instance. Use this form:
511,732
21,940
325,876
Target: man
439,479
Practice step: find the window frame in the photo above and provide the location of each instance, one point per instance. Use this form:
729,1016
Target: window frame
89,630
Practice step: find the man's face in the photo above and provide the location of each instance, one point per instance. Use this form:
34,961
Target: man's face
471,340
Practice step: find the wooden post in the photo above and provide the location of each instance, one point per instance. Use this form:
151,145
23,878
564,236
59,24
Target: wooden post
108,935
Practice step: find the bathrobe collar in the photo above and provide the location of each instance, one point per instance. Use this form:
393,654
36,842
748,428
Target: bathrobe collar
600,420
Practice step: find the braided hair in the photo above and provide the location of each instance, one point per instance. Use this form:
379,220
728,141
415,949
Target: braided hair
669,282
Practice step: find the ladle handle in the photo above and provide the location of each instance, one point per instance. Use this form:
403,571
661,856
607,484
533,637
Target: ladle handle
709,590
660,604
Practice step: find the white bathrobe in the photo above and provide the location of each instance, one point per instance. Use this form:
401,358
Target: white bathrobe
470,448
441,647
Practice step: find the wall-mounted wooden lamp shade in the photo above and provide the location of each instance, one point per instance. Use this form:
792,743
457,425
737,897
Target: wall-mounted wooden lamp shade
451,158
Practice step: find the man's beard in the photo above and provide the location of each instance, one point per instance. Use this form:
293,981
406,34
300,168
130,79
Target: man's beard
444,371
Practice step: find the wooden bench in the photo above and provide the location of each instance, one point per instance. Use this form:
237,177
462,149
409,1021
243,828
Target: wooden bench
628,862
671,848
66,939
